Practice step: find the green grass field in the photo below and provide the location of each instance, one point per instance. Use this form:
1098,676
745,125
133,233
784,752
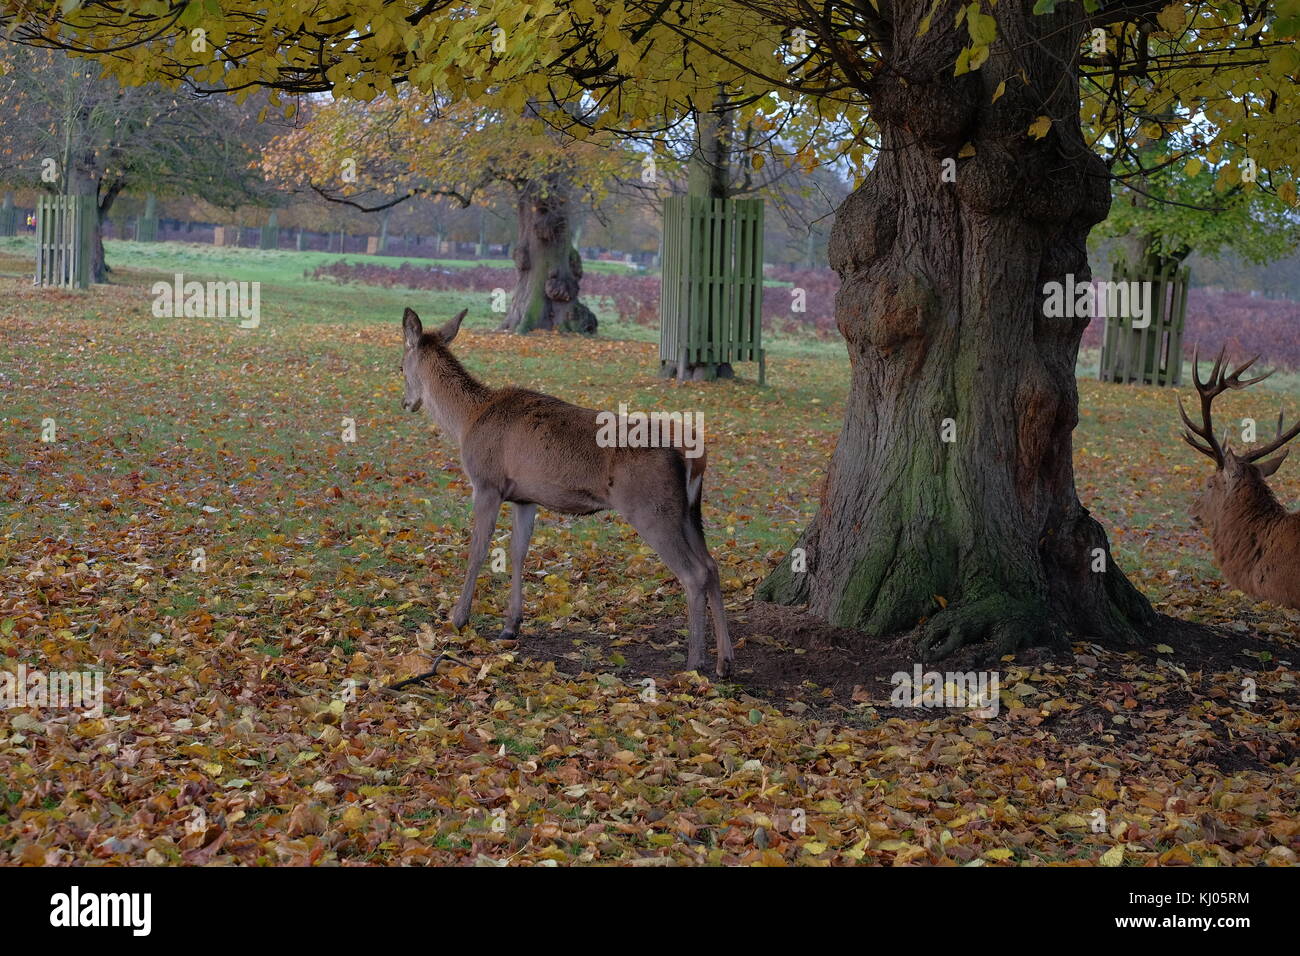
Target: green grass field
261,265
327,561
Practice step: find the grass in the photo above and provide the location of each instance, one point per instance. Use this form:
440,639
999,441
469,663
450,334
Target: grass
275,266
278,395
328,559
283,274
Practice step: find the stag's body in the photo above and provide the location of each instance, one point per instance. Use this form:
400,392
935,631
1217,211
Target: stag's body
1256,541
531,449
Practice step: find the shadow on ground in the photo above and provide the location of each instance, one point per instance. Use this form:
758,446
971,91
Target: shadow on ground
1109,698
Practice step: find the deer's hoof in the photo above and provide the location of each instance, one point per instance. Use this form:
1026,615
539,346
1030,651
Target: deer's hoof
725,667
459,619
507,634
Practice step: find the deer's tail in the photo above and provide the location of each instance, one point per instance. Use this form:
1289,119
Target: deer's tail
695,488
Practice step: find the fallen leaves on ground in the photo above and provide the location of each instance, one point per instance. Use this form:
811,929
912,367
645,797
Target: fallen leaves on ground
247,714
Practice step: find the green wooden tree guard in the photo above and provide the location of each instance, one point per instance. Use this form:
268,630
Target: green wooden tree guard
271,233
146,224
711,293
65,230
1152,355
8,216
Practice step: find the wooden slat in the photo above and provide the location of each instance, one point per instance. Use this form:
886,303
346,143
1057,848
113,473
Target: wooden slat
1152,355
710,303
63,232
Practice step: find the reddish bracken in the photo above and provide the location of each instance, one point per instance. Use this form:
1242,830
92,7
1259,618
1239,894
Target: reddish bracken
1256,540
808,300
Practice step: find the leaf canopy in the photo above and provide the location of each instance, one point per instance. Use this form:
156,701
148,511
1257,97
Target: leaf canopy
1229,69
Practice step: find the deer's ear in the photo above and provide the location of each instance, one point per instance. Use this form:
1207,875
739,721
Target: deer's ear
1233,467
448,331
411,328
1267,468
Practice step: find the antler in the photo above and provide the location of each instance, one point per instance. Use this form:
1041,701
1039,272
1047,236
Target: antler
1220,381
1255,454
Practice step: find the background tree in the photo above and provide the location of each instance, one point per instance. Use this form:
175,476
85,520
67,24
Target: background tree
1161,218
769,153
98,137
379,154
950,499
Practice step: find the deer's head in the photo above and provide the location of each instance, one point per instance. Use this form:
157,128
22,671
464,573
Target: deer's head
424,355
1238,479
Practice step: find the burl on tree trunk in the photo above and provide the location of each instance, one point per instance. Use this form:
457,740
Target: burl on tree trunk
983,536
550,269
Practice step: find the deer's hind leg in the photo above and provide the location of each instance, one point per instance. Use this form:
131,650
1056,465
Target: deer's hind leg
713,590
521,532
667,533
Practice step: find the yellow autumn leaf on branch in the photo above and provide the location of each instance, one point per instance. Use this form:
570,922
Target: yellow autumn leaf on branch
1173,17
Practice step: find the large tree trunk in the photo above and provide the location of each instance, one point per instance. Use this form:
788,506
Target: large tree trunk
83,180
99,269
98,265
709,173
982,536
1141,249
550,268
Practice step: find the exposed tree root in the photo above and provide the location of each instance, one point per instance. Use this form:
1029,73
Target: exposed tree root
1008,624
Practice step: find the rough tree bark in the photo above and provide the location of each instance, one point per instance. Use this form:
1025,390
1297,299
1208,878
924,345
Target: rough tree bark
549,267
941,307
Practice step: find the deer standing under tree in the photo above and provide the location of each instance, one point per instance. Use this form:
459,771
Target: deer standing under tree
1256,540
531,449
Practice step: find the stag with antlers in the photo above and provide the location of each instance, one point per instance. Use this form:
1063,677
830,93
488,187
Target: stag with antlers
1256,540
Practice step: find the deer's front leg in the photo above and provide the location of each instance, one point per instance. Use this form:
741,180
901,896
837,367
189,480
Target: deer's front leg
486,505
520,534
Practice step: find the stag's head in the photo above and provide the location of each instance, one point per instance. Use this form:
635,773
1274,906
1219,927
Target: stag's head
423,351
1237,478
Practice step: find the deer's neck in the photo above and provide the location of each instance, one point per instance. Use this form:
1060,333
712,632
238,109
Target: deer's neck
452,395
1247,522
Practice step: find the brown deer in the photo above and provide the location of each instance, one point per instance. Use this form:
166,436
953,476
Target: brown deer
1256,540
531,449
